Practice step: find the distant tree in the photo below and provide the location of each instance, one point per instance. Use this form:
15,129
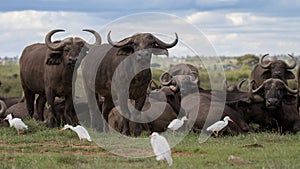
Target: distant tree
155,65
248,59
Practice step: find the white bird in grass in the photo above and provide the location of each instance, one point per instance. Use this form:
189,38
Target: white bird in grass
219,125
176,123
80,131
16,123
161,148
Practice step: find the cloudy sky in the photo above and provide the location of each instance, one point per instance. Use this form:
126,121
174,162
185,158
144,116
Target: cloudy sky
232,27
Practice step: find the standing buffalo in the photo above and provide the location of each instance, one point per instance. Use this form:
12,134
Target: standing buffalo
273,69
47,70
121,70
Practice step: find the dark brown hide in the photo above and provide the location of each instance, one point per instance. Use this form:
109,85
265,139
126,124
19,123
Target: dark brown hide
47,70
175,72
128,61
280,104
197,113
272,69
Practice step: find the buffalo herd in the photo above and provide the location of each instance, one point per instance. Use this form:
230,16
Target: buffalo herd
121,94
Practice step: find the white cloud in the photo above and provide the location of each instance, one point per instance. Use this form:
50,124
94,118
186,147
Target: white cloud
203,18
231,32
22,28
237,33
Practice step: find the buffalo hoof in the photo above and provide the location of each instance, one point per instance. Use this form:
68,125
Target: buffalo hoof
126,132
51,122
137,133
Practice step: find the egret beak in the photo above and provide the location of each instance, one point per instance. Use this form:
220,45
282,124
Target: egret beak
62,129
5,118
230,120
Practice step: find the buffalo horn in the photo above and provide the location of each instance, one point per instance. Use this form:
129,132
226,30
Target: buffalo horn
257,89
161,79
261,60
293,65
195,77
97,36
239,86
3,107
50,44
118,44
289,89
251,88
166,45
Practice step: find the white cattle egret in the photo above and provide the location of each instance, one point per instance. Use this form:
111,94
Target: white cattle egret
161,148
176,123
16,123
219,125
80,131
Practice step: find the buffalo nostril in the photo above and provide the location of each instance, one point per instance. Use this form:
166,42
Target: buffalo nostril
272,101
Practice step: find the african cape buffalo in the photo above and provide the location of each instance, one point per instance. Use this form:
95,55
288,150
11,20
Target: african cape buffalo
47,69
180,74
280,103
272,69
118,72
197,107
3,107
160,108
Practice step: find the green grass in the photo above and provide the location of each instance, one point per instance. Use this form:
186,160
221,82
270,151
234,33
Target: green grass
41,147
11,84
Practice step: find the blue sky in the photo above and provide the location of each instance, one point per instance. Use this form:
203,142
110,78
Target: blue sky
233,27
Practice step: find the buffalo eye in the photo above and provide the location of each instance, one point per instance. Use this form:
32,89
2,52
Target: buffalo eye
279,92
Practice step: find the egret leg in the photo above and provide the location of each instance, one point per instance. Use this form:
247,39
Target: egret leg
215,133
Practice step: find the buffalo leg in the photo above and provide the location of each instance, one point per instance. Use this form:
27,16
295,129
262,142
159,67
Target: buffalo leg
29,96
139,103
96,121
106,108
123,101
53,119
70,116
40,105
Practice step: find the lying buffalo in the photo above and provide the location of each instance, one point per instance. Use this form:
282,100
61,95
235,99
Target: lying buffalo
273,69
280,103
178,72
121,71
160,108
203,110
9,101
47,70
3,108
157,116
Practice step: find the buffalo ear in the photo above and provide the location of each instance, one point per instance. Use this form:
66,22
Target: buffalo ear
126,50
289,99
54,58
160,51
289,75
